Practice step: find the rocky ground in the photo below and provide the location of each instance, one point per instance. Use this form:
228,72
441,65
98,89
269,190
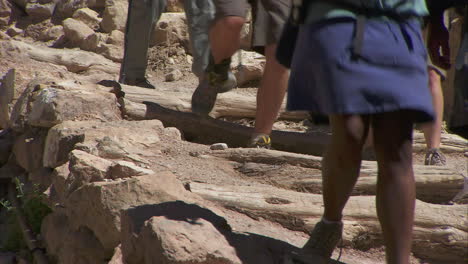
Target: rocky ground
128,182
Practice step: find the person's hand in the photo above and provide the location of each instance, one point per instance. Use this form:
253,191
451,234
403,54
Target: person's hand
438,43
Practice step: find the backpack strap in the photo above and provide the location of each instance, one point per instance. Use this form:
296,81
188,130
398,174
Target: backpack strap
358,38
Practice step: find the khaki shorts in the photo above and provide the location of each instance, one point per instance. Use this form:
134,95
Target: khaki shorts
269,20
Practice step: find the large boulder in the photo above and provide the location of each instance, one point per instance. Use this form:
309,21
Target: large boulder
114,16
80,34
40,11
170,29
18,120
52,105
184,232
89,17
112,140
71,246
163,239
29,149
60,142
97,205
58,190
85,168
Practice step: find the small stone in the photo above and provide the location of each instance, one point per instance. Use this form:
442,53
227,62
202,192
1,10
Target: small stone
174,75
219,146
14,31
194,153
171,61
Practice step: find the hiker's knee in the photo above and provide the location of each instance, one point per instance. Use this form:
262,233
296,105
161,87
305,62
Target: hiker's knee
350,132
232,23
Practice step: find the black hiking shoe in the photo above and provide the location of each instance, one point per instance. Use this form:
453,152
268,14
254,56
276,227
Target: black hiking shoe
217,79
143,83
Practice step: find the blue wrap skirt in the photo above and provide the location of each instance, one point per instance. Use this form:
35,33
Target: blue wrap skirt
388,75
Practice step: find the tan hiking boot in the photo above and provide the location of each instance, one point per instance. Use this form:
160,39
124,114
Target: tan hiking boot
322,242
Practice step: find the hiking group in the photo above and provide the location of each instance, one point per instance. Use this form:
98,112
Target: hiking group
362,63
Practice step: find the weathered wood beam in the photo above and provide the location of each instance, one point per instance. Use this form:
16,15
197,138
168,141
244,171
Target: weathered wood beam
440,231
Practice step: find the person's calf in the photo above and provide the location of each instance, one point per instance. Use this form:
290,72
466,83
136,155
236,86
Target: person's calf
341,163
271,92
395,184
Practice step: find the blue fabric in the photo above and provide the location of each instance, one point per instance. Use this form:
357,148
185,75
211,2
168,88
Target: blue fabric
391,74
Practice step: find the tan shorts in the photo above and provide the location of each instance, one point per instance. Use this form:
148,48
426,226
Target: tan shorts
269,16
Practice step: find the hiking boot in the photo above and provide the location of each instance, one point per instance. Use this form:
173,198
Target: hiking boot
434,157
324,238
227,85
260,141
143,83
318,250
217,79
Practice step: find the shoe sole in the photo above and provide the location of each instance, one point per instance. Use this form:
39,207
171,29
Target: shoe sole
204,98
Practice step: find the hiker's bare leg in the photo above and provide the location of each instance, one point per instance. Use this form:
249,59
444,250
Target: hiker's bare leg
225,37
395,184
271,92
342,162
432,131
